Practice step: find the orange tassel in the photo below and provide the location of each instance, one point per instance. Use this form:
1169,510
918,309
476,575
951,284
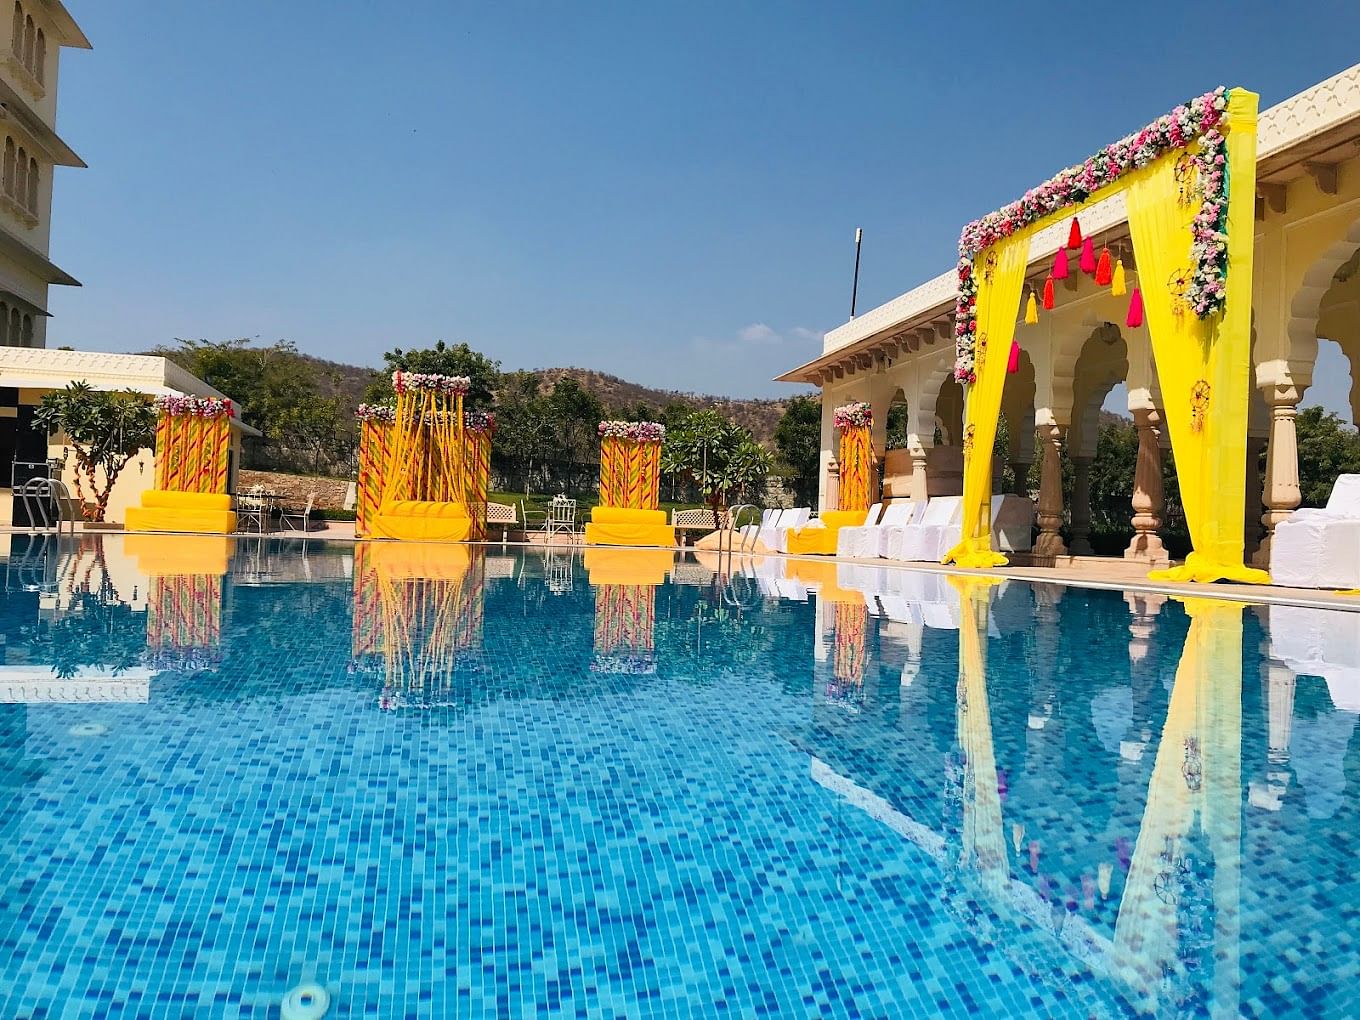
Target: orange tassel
1074,235
1104,271
1048,294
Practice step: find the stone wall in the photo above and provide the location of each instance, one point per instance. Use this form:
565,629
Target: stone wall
330,492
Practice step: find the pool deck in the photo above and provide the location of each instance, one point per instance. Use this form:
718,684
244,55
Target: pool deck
1100,572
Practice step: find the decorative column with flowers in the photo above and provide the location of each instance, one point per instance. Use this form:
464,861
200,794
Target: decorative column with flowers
375,439
854,422
630,464
193,440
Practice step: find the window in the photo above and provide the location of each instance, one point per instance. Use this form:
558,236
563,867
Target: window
20,191
26,337
28,43
15,328
4,324
33,186
9,166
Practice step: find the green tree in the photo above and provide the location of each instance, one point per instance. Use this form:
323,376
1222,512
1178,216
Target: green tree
1327,448
106,430
321,428
460,359
798,438
577,414
721,458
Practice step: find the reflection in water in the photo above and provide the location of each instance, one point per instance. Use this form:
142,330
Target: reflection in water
1101,794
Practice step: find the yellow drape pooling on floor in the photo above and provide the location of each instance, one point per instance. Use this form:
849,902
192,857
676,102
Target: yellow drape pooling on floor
983,839
375,439
856,464
630,473
1203,365
1000,274
1188,853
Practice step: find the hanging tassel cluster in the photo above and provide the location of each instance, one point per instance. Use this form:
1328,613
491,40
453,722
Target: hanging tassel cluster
1048,294
1117,285
1013,363
1088,257
1060,269
1135,316
1031,310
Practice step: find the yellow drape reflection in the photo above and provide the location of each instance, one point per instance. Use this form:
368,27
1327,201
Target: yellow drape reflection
1203,365
1195,788
984,842
1000,274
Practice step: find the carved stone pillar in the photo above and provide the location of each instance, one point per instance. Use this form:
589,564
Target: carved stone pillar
1081,506
1281,495
1049,542
1279,682
1148,502
1020,471
833,485
1251,526
1143,674
920,481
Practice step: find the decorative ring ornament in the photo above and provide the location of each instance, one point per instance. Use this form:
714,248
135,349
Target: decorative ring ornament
1199,404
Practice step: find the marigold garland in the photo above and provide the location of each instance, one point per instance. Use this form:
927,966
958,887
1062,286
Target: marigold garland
1196,120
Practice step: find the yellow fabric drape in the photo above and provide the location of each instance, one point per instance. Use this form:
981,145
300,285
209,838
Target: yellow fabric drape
1203,365
1000,272
1196,784
984,841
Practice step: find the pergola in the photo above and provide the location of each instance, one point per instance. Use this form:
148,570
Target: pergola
1306,286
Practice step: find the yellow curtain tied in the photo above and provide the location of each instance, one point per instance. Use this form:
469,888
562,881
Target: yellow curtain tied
856,462
1203,365
1000,272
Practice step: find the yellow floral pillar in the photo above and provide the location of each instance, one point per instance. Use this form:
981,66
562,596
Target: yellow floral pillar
630,487
193,455
854,422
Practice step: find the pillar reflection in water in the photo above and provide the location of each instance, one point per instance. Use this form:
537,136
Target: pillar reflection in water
625,583
184,597
418,614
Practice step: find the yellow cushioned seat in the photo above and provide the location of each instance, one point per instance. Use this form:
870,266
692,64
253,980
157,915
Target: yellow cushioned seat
163,510
811,540
425,508
621,525
626,515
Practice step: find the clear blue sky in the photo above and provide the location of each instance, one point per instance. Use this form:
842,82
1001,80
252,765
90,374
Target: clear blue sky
665,192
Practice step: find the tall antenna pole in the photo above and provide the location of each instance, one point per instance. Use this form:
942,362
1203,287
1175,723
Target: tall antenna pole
854,288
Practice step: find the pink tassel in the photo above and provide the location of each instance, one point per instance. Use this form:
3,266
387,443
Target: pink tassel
1060,265
1013,365
1135,317
1088,257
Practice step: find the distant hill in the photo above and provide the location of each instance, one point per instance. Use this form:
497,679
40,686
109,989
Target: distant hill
760,416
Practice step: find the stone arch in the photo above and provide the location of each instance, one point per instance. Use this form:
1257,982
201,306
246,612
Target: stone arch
1305,304
949,411
1339,321
31,199
40,58
1102,363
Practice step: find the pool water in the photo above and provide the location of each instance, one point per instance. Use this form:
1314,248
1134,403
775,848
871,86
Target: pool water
449,782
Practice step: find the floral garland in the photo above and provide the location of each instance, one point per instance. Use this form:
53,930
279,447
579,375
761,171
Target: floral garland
1206,289
197,407
637,431
479,421
385,413
453,385
854,415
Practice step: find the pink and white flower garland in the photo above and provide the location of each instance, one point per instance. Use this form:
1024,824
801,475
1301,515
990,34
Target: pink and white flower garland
376,412
637,431
854,415
197,407
452,385
479,421
1196,120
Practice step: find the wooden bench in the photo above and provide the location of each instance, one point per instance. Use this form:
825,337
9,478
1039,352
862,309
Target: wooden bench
503,514
698,519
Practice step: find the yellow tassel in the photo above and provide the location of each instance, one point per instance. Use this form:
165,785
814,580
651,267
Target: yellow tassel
1031,310
1117,285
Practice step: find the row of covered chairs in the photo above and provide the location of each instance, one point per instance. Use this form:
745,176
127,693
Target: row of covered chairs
926,531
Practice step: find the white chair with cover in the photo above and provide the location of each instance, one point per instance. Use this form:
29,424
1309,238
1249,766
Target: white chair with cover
898,516
848,540
776,537
925,540
1320,548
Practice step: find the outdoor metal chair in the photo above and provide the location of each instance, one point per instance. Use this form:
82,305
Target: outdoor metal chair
298,520
252,508
561,518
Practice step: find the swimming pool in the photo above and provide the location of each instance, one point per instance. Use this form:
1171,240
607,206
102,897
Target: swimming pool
452,782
